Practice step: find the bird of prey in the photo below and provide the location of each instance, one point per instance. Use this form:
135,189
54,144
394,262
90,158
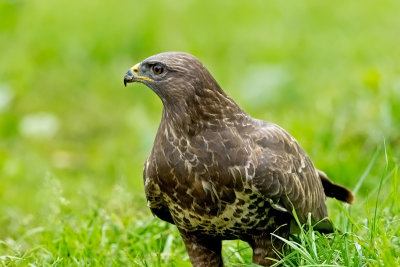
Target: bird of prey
219,174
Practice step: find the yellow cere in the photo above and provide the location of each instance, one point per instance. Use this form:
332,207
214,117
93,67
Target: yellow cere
135,70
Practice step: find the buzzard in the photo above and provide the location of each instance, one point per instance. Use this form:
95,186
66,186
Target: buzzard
219,174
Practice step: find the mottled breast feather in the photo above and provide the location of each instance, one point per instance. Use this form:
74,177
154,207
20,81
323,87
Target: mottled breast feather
206,174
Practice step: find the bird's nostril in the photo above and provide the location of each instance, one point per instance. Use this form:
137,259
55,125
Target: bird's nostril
135,69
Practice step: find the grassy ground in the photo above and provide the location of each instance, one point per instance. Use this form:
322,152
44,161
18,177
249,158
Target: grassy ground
73,140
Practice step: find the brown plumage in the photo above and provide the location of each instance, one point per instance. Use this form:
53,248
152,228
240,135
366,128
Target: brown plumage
216,173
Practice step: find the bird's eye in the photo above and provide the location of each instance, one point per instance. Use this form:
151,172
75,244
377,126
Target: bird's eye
157,69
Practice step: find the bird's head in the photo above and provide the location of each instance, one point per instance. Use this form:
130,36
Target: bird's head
172,76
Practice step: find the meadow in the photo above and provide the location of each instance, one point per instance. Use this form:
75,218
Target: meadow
73,139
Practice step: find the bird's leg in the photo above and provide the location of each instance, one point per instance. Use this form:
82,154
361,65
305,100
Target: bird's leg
263,249
266,246
204,251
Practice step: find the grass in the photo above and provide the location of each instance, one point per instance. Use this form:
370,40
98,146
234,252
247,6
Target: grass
73,140
115,233
365,241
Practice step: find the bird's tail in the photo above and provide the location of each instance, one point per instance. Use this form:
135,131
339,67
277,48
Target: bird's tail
334,190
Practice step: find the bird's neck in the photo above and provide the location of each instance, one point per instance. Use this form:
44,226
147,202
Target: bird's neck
206,109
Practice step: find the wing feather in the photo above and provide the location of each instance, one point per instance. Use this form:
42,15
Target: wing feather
286,173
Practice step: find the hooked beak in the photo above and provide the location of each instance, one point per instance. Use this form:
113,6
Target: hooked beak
132,75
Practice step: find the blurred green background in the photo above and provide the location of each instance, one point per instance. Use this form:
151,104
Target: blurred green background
73,139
